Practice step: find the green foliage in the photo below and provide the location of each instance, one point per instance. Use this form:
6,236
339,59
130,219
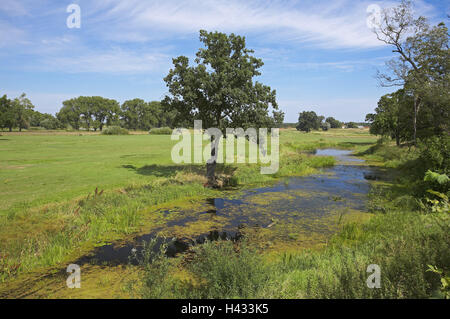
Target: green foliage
6,113
161,131
445,281
440,205
220,269
421,67
228,270
114,130
435,153
156,281
441,179
325,126
403,244
333,122
223,68
15,113
391,117
351,125
307,121
89,112
140,115
44,120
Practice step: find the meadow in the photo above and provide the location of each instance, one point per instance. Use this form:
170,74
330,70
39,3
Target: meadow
39,168
64,194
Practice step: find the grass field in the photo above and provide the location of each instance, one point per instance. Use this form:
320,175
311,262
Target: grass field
36,168
47,219
45,180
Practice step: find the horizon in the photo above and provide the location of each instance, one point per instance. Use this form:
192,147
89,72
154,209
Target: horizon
318,56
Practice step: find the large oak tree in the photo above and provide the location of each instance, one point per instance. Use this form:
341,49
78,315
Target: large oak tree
219,88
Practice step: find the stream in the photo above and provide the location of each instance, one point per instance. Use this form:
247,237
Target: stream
295,211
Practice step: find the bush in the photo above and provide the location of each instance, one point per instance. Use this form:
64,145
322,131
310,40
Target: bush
220,269
435,154
229,271
161,131
114,130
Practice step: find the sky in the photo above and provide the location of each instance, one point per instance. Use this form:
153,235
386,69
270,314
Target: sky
318,55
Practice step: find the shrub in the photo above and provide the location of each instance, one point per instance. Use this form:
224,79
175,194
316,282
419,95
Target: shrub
161,131
114,130
435,153
229,271
220,269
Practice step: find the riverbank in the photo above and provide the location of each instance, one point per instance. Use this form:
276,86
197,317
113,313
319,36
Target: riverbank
403,239
39,237
280,261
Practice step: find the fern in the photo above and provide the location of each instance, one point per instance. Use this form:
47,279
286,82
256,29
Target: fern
441,179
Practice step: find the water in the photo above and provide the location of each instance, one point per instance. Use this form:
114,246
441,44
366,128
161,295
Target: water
302,207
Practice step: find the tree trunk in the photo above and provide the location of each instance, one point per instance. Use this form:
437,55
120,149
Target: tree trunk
211,166
397,140
416,111
10,129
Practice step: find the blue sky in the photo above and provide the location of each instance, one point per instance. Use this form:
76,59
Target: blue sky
318,55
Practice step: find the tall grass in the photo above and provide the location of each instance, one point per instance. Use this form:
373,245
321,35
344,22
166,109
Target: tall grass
403,239
403,244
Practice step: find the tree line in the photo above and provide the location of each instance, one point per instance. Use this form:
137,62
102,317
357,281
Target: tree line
87,112
309,120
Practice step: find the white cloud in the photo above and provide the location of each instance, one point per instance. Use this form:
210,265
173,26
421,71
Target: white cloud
339,24
114,61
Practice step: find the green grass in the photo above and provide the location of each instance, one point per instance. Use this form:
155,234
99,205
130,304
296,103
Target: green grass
35,170
402,239
401,243
40,169
46,216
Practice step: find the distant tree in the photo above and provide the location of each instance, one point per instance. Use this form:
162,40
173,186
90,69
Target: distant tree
7,117
137,114
22,108
89,111
333,122
307,121
166,116
219,89
36,118
326,126
104,111
70,113
50,123
351,125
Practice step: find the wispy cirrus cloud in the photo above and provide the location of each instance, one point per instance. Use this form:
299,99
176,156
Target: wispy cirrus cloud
110,26
113,61
324,24
337,24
